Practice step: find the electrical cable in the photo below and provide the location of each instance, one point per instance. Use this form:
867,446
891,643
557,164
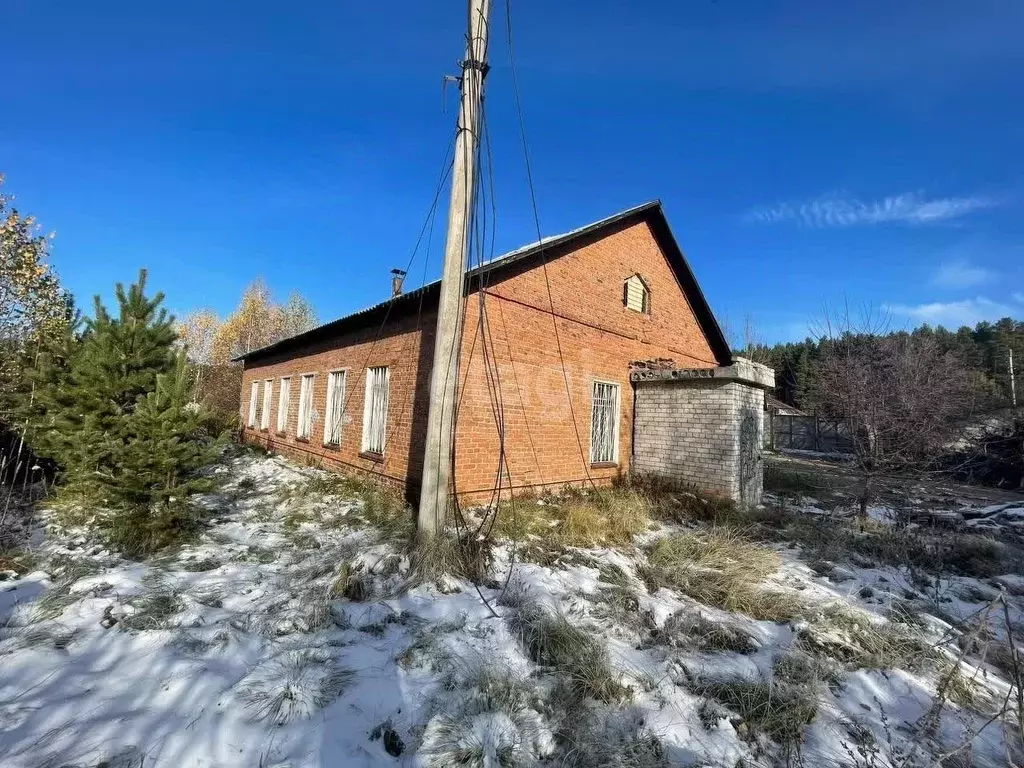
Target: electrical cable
536,219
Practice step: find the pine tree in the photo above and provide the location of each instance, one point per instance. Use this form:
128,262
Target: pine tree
118,364
45,402
157,466
114,409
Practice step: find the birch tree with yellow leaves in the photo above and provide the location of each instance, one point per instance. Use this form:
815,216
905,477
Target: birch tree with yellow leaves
33,307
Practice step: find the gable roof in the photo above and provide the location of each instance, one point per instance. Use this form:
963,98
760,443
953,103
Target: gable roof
546,248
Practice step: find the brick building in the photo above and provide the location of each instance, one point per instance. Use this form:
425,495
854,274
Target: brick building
353,393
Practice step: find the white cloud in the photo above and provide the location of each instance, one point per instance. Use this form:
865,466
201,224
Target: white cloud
961,274
953,314
1019,298
836,210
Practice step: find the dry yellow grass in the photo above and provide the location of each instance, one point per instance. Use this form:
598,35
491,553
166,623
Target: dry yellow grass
578,519
720,568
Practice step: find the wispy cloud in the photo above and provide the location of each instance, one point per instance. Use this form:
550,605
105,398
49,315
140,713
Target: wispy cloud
838,210
953,314
961,274
1019,298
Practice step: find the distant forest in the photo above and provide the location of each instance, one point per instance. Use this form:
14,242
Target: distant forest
984,350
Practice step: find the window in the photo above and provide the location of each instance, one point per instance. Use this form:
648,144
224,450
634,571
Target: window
604,424
635,294
268,394
305,407
335,406
254,398
284,402
375,409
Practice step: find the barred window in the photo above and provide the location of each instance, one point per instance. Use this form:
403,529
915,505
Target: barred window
335,406
254,399
305,407
268,394
604,423
284,402
375,409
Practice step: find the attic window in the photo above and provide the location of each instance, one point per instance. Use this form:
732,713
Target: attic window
635,294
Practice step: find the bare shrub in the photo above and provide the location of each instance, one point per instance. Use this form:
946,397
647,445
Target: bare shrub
900,394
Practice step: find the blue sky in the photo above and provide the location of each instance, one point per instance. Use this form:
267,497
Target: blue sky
807,154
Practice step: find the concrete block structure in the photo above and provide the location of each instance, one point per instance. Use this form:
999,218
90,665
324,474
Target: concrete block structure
550,335
703,426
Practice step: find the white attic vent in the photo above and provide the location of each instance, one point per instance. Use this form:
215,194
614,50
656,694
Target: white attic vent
635,294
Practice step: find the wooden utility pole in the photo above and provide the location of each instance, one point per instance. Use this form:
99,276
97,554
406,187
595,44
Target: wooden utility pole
437,460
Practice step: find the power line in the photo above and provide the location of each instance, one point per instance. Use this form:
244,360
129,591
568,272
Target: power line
536,220
428,225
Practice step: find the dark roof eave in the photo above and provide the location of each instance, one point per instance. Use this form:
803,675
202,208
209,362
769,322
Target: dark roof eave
652,211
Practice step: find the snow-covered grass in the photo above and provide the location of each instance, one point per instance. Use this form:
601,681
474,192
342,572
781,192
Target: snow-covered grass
642,627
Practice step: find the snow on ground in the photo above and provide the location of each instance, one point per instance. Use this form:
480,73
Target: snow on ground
291,635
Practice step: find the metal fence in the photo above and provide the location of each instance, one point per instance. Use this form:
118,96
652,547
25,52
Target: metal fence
809,433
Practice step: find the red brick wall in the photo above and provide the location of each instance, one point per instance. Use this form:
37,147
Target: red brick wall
399,346
598,335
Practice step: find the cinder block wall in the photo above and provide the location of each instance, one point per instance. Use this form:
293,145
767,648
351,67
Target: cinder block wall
703,432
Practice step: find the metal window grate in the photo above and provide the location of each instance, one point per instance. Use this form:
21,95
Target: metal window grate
604,419
335,406
305,407
284,402
375,409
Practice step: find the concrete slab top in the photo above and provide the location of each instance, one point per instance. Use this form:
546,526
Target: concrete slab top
742,370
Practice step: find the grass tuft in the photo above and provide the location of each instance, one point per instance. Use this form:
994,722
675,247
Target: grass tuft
293,686
153,609
492,722
720,568
52,603
605,517
856,640
351,584
447,554
138,531
21,561
551,640
693,631
617,739
775,708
